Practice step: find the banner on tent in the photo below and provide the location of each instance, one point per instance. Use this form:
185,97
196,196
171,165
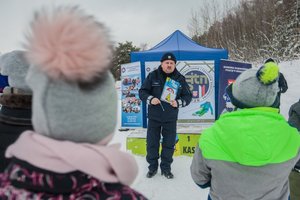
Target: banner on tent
200,78
132,113
229,71
3,82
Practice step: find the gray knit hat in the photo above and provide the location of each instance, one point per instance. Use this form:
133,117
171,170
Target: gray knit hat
255,88
15,66
74,97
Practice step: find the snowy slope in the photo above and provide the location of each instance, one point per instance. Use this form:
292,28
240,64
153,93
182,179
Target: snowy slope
182,186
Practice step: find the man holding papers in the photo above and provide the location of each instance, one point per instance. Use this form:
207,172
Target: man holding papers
165,91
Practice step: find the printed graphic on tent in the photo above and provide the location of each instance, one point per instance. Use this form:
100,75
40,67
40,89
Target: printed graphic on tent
200,78
204,108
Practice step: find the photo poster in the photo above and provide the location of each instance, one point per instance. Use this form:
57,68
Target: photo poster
200,77
229,71
131,104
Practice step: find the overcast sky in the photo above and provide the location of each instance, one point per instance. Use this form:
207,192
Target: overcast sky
138,21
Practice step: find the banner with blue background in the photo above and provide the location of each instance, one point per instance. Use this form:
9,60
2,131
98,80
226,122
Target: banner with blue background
131,105
229,71
3,82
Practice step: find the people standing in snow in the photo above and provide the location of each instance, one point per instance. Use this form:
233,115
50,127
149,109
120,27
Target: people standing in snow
74,114
162,116
294,178
15,101
248,153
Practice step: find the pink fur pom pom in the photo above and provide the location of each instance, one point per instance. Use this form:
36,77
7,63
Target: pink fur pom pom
69,44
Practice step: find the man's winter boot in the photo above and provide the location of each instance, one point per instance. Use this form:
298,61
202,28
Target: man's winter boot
167,174
150,173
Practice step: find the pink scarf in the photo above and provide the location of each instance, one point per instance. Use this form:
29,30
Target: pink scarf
105,163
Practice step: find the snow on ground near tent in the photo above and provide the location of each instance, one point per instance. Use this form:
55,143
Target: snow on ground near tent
182,186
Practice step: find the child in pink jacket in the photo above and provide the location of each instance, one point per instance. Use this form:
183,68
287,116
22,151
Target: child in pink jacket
74,116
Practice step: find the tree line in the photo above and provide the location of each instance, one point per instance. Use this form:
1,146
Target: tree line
251,31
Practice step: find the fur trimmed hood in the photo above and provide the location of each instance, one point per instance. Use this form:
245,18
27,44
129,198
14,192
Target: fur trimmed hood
16,100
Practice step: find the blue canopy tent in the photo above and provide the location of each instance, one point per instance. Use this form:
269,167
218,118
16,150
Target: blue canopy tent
183,48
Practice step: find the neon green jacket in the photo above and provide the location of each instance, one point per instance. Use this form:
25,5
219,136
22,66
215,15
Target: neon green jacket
253,140
247,154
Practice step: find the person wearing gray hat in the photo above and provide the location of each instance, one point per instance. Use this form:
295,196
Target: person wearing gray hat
74,114
15,111
248,153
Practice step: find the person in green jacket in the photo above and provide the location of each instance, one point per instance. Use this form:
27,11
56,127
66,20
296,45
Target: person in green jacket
248,153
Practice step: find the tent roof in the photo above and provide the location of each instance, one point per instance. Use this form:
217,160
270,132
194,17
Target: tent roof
181,42
178,41
182,46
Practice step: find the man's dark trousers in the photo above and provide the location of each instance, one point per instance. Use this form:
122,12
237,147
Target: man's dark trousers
154,132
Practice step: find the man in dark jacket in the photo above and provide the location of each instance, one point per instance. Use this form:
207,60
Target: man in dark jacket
294,178
162,115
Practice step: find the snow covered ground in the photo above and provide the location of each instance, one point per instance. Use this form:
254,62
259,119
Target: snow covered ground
182,186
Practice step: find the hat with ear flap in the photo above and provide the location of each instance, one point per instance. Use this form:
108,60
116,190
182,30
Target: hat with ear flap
255,88
15,65
74,97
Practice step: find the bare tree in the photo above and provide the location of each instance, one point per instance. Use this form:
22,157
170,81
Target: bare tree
143,46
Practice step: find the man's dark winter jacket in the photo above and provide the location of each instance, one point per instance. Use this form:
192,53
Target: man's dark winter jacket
153,87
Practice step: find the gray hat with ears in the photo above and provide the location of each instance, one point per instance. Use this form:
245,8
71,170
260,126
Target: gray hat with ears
15,65
74,96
